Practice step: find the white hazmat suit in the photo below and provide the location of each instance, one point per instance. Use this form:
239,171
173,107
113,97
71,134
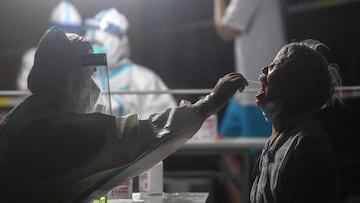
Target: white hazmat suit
107,32
65,16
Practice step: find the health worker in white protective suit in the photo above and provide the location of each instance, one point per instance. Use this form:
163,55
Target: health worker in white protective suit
107,31
55,148
65,16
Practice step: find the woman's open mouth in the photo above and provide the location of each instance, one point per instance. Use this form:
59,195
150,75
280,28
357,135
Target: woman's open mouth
262,91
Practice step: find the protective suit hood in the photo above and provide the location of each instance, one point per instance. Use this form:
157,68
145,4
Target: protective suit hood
67,17
109,29
59,75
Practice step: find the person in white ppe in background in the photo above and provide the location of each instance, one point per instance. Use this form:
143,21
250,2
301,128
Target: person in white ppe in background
52,149
107,31
64,15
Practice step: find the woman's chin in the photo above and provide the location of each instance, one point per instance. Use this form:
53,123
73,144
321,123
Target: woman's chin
259,100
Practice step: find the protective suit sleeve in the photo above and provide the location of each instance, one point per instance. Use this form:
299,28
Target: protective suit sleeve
140,144
137,146
175,123
135,136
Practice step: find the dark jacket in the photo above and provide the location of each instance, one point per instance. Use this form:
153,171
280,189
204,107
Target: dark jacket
299,166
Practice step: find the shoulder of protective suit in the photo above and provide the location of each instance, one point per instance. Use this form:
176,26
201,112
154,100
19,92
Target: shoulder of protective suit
144,71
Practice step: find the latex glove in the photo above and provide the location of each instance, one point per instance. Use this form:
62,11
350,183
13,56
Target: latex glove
223,91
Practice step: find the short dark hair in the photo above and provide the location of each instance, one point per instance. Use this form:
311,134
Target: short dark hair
309,75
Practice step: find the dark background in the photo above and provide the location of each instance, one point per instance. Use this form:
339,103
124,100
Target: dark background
176,39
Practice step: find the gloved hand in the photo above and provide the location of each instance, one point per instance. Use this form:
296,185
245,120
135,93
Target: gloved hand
223,91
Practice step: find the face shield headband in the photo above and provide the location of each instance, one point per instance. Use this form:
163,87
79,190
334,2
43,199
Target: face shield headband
108,27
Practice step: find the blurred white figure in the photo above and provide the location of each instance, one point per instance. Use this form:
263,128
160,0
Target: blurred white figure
65,16
107,31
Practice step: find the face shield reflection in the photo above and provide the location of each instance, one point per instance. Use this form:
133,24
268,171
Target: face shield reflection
96,94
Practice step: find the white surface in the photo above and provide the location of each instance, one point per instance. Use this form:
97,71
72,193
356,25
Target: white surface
122,191
228,143
151,181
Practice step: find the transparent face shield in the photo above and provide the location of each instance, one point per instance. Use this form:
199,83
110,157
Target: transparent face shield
95,96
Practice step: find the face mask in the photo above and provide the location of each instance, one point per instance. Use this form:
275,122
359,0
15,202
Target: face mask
94,95
98,49
88,98
271,110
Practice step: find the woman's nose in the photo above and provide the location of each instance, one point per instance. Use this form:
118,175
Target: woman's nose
265,70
